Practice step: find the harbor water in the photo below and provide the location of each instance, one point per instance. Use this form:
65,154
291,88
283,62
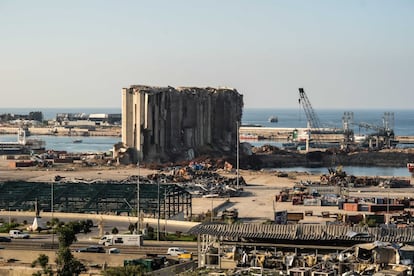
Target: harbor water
90,144
331,118
356,171
287,118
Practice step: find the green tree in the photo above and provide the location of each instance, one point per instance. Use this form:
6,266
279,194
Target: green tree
53,222
75,225
43,261
85,226
67,264
114,231
66,236
129,270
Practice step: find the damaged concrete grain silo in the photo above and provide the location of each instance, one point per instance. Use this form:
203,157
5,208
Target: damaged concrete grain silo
169,124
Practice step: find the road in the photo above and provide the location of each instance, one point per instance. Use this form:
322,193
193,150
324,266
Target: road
24,252
43,243
109,222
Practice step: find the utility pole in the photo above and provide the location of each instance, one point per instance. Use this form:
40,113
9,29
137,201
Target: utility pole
158,205
212,207
52,210
388,205
165,213
237,155
138,209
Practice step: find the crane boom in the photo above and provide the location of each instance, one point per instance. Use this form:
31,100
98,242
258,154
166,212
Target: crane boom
313,120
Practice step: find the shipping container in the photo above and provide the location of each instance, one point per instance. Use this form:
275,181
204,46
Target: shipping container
21,164
351,207
385,207
295,216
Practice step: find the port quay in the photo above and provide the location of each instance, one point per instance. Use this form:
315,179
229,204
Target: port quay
286,134
246,133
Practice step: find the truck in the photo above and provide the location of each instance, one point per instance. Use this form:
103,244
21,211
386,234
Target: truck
107,240
17,234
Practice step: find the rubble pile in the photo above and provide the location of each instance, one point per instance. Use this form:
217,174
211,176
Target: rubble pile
198,180
377,258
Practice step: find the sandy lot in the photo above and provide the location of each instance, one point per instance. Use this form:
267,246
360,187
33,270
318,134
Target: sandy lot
257,205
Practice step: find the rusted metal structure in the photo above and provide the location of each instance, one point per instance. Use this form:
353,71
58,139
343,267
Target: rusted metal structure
163,200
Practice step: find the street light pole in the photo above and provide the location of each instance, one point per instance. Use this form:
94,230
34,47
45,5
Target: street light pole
8,204
138,209
237,154
165,213
388,205
211,214
158,205
51,209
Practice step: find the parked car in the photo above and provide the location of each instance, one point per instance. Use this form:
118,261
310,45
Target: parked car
176,251
114,251
5,239
91,249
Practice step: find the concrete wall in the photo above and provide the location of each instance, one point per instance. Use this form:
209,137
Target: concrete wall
166,123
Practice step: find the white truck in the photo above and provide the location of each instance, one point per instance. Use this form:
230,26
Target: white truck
107,240
17,234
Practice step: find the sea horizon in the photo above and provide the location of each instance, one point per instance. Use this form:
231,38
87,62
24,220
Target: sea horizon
287,117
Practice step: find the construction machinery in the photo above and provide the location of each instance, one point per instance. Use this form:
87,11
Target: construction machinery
383,136
347,122
314,124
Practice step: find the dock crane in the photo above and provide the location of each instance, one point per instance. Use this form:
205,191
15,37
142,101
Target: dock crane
314,123
313,120
383,136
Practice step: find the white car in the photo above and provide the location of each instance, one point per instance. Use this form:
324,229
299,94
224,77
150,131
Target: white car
17,234
176,251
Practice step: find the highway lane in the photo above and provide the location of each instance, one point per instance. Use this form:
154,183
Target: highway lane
149,247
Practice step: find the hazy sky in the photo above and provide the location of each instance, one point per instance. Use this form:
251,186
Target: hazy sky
346,54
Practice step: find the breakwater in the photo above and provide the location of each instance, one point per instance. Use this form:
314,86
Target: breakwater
65,131
286,134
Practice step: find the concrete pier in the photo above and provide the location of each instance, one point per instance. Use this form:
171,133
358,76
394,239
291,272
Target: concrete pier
284,134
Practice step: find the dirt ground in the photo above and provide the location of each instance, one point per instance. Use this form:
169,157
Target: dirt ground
257,204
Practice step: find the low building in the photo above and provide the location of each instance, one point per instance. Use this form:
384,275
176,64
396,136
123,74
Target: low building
223,245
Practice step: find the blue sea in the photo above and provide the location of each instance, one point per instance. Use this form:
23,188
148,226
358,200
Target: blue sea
287,118
331,118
